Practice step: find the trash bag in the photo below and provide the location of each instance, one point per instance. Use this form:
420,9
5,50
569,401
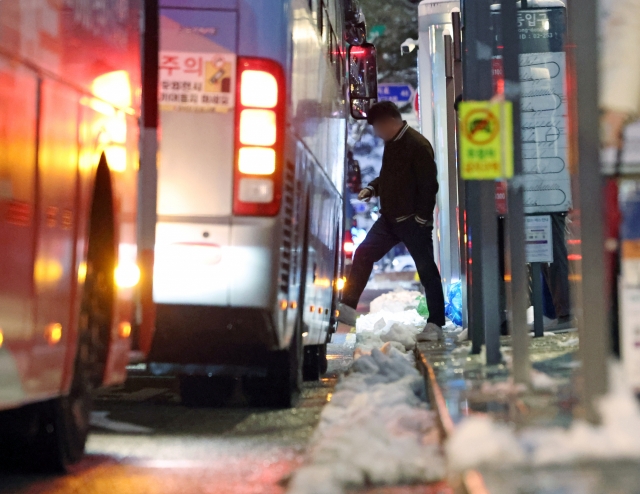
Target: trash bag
453,305
422,308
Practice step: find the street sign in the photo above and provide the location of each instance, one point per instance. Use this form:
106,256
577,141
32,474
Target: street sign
538,239
486,140
395,92
376,31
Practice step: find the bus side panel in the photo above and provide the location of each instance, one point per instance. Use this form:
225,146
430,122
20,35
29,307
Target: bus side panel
324,221
18,102
75,40
318,117
54,270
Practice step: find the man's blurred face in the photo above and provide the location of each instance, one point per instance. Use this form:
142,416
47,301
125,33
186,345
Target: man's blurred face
387,128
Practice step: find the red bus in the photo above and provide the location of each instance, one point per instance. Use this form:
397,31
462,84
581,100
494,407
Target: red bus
69,82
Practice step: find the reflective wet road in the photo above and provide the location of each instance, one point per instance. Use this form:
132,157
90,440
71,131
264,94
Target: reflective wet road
145,442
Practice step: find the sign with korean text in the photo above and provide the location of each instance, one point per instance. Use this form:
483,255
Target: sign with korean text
538,240
395,92
196,81
486,140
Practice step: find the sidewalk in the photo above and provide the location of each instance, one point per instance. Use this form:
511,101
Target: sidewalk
461,385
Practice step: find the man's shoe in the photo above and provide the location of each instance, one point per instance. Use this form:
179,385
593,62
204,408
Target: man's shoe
431,332
347,315
565,322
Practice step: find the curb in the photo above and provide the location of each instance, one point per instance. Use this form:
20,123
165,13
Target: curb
472,481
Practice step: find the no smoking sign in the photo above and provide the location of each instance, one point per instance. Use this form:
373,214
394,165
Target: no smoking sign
486,140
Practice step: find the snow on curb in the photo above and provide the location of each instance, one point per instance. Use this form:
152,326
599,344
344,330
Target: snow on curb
376,428
479,440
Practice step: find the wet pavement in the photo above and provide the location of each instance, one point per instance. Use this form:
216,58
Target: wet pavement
469,386
146,442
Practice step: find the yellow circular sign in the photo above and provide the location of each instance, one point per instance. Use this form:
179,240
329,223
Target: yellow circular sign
480,126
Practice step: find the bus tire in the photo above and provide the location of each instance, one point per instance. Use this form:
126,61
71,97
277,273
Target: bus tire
322,359
50,436
311,367
282,385
315,362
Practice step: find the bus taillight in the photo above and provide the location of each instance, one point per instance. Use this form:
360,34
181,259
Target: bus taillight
259,137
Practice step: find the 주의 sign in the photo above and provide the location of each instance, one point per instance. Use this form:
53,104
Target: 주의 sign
486,140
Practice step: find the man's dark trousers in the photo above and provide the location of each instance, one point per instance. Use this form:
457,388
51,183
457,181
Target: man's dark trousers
382,237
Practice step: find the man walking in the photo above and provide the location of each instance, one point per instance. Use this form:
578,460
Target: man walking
407,188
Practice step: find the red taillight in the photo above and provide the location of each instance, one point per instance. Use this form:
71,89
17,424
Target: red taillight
260,114
348,246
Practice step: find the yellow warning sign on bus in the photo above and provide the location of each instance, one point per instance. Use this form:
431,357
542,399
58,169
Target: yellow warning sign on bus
486,140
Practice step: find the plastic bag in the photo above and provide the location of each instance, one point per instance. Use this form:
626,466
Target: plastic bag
453,305
422,308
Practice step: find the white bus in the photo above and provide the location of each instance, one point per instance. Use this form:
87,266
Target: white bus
253,109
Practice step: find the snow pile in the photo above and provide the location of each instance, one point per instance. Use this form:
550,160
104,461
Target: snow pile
480,440
393,318
396,301
376,429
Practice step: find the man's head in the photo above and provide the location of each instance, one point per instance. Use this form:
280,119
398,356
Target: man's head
385,119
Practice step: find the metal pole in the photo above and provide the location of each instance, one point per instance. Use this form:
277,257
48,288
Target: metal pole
518,294
481,209
536,296
454,235
592,318
457,80
148,173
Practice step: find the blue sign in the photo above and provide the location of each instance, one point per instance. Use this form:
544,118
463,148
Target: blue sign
396,92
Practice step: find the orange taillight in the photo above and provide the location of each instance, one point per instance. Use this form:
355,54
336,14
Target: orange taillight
258,89
257,128
259,137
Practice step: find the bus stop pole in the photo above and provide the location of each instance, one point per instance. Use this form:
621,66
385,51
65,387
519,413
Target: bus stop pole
148,172
518,295
592,316
480,204
452,159
462,230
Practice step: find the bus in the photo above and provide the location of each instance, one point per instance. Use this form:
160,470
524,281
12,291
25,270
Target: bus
69,78
253,112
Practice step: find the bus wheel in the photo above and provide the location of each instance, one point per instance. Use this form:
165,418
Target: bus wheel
283,383
311,367
315,362
49,436
64,426
322,359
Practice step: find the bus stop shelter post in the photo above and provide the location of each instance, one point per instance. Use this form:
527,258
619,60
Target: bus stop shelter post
454,232
480,204
592,316
457,82
518,295
148,172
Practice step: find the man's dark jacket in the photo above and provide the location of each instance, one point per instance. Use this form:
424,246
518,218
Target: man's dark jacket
408,181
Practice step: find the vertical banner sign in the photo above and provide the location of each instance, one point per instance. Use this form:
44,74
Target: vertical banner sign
486,140
547,185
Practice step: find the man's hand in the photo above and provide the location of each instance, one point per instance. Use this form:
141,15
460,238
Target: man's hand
612,126
365,195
